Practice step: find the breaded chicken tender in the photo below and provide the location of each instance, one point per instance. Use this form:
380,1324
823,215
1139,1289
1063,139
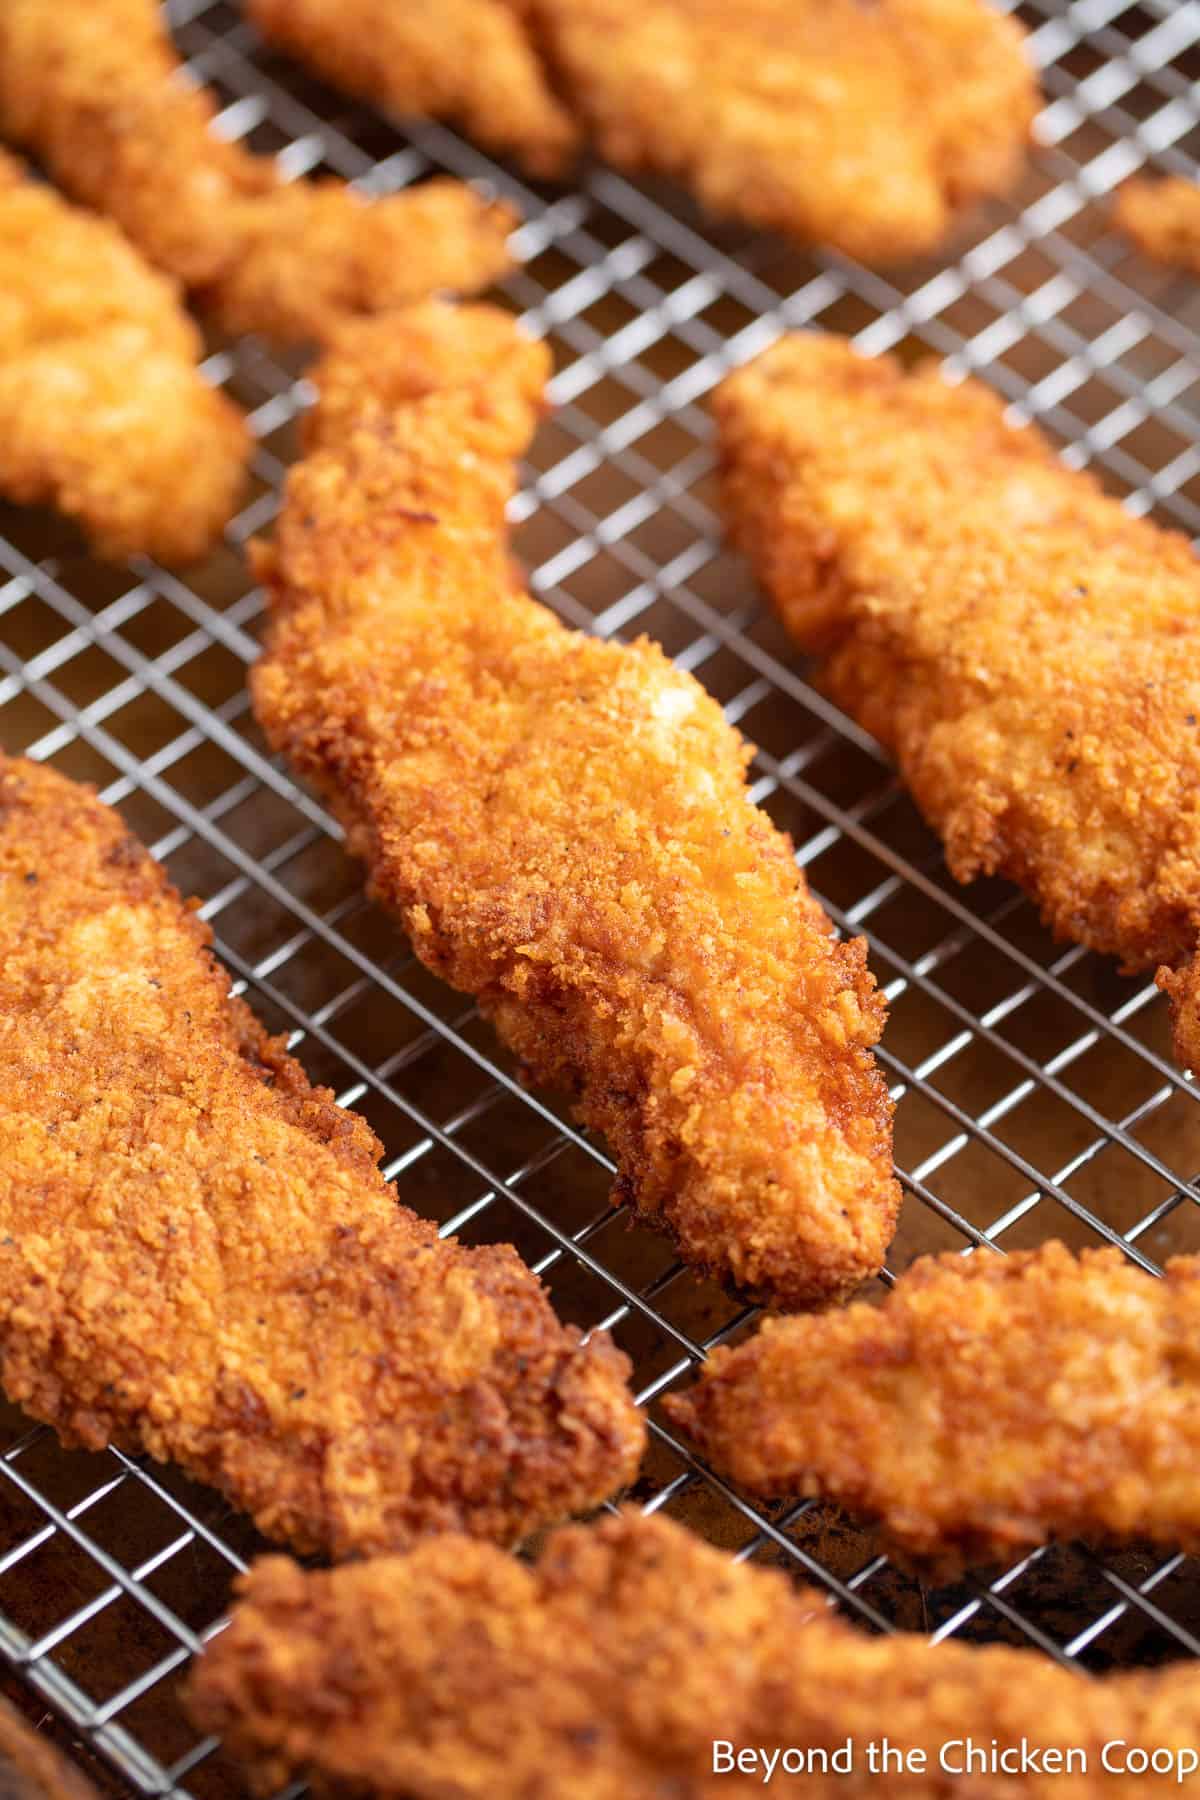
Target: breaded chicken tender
1163,219
200,1259
562,825
471,62
868,127
1027,650
93,87
30,1766
612,1670
103,412
988,1404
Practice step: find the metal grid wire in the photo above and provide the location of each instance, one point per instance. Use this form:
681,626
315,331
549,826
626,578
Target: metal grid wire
1035,1096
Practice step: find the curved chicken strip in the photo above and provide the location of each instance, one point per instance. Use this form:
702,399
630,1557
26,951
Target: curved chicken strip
103,412
1028,651
865,127
562,825
1163,219
615,1667
988,1404
93,87
200,1259
469,61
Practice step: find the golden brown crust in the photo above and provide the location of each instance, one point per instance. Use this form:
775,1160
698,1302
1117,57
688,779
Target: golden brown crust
986,1405
562,825
103,412
1024,646
469,61
1182,987
93,87
869,128
1163,219
606,1672
30,1766
200,1259
865,127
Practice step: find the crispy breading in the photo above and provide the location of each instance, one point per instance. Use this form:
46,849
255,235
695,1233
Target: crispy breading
103,412
562,825
30,1766
1026,648
865,127
468,61
869,128
988,1404
1163,219
200,1259
606,1672
94,88
1182,987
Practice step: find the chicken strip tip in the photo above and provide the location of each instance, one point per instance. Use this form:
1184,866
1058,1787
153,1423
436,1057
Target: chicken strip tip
1163,219
985,1405
103,411
472,62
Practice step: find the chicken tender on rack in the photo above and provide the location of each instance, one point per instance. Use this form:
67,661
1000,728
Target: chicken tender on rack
472,62
615,1666
200,1259
103,412
1027,649
93,88
866,127
988,1404
1163,219
562,825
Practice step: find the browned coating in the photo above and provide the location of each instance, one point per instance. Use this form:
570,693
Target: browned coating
606,1672
986,1405
103,412
472,62
93,87
30,1766
562,825
200,1259
1163,219
1182,986
1028,651
865,127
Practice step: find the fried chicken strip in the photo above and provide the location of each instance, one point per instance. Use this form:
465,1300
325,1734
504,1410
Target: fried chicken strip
471,62
988,1404
93,88
200,1259
1163,219
562,825
607,1671
30,1766
865,127
869,128
1026,649
103,412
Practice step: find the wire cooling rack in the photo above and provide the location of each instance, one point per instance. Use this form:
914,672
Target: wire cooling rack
1035,1096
